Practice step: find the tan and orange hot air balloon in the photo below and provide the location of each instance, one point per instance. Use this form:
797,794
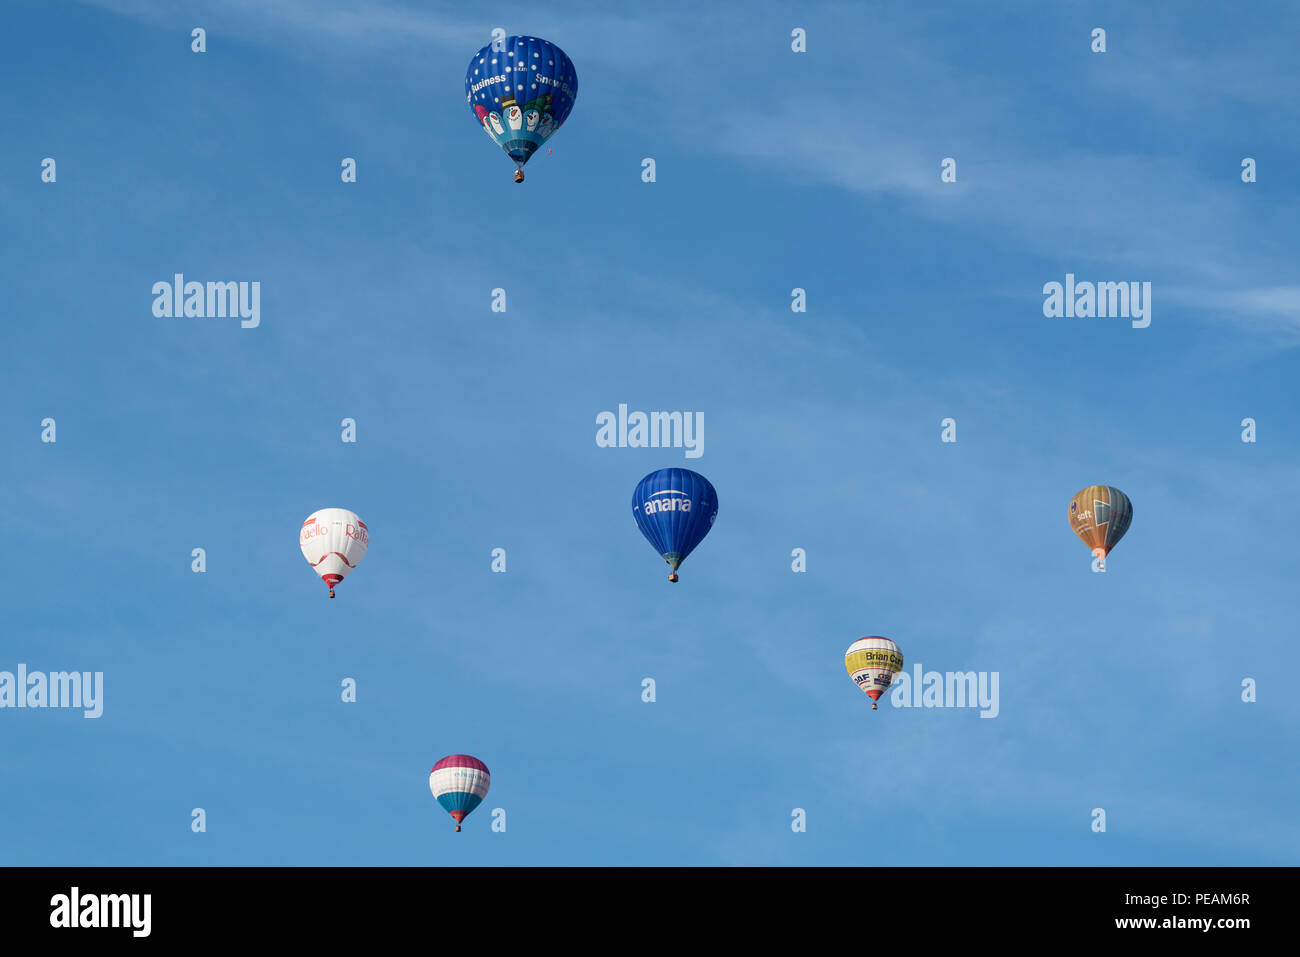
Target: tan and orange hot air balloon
1100,515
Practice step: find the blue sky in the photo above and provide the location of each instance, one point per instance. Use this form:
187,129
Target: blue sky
476,430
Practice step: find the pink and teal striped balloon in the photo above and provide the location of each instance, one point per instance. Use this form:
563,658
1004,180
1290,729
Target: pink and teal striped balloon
459,782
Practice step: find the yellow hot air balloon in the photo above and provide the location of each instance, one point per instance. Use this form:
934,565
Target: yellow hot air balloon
872,662
1100,515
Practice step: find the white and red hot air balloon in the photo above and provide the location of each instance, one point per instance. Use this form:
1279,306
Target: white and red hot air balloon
334,541
872,662
460,783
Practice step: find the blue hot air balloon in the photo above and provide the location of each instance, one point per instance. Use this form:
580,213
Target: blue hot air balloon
521,90
674,509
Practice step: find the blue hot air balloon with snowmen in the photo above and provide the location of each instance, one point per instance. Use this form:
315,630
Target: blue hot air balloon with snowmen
674,509
521,90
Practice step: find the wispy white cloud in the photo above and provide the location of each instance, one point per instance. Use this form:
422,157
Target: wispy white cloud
1268,310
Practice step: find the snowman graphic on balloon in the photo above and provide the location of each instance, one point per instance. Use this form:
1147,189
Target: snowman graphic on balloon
514,116
533,123
491,123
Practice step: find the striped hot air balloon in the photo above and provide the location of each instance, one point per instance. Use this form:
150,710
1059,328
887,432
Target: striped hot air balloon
460,783
872,662
334,540
1100,515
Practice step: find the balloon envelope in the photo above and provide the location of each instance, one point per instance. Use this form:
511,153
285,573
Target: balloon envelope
334,541
521,93
872,662
674,508
1100,515
459,782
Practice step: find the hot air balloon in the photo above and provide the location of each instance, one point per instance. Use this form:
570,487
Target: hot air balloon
1100,515
334,541
872,662
674,509
460,783
521,90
